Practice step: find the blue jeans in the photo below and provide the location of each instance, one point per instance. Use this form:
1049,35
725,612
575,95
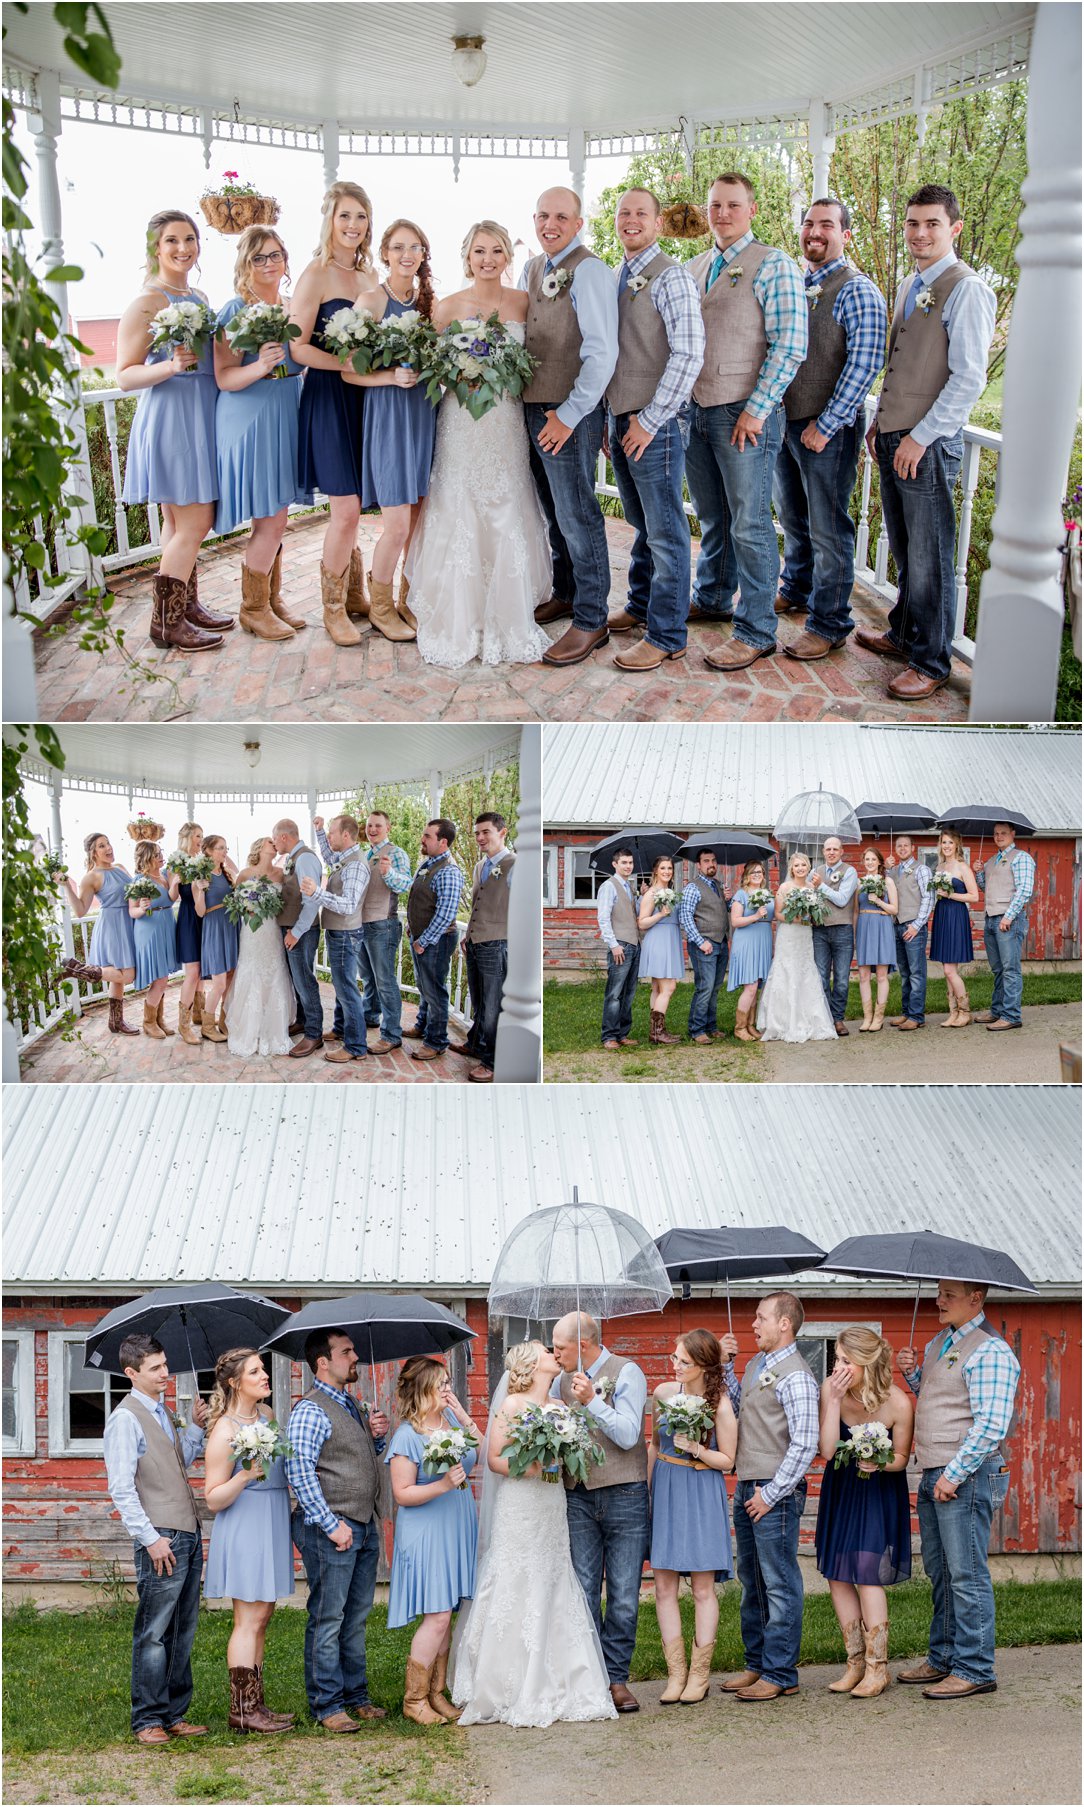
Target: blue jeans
911,963
651,496
302,962
833,946
620,991
732,494
382,1001
341,1588
1005,953
431,968
565,481
955,1546
343,948
487,966
709,971
920,520
164,1632
766,1555
609,1534
811,492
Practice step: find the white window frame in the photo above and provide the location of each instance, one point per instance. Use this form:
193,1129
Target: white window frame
24,1441
549,876
930,855
59,1443
572,902
826,1331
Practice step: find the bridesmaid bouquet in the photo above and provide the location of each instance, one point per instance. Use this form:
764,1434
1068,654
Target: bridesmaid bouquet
190,868
262,323
872,885
350,335
253,902
444,1449
403,339
665,899
687,1415
867,1443
260,1443
189,324
759,898
479,361
140,889
804,904
54,866
556,1435
941,884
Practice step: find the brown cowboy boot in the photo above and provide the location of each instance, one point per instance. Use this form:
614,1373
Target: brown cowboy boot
384,615
416,1694
402,606
117,1024
278,607
284,1719
357,602
160,1018
195,612
169,626
655,1025
438,1700
336,620
77,969
184,1026
150,1024
257,616
246,1712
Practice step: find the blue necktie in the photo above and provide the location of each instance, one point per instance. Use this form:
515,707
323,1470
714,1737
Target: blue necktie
163,1418
716,270
912,296
548,271
760,1362
623,280
352,1407
487,868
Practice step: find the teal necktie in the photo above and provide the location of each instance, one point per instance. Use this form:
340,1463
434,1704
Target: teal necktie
487,868
946,1345
716,270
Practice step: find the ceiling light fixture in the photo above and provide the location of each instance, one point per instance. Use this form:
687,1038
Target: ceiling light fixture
252,752
469,60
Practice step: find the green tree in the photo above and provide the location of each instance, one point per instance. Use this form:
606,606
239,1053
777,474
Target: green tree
462,800
31,939
665,171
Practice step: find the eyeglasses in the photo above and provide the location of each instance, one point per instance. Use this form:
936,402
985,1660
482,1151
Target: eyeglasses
269,257
407,250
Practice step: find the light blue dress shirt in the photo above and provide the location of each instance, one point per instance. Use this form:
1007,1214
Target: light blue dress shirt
968,317
593,293
306,865
124,1442
622,1416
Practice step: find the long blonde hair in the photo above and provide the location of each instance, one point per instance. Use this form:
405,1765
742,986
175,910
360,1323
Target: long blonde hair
499,232
418,1388
873,1359
247,246
156,225
185,832
144,855
520,1364
228,1371
337,192
256,849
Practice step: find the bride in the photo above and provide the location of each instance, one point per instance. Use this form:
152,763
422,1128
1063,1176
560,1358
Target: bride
479,562
261,1004
793,1007
525,1650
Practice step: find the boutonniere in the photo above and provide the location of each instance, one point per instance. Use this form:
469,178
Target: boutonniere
635,284
288,866
926,300
604,1389
178,1423
554,282
768,1378
735,274
952,1358
813,296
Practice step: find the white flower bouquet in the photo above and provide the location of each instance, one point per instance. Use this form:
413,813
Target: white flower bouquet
259,1444
406,339
665,899
261,323
54,865
350,334
556,1435
141,889
187,324
804,904
871,884
443,1449
687,1415
191,867
253,902
941,884
867,1443
759,898
478,361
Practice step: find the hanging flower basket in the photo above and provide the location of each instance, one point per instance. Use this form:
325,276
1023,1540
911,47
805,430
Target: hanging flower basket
237,204
683,219
141,828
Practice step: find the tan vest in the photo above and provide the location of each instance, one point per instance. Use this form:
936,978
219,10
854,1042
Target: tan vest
333,923
709,912
943,1415
488,920
553,332
918,366
347,1466
643,349
380,901
815,381
621,1465
422,898
737,344
624,921
908,894
763,1434
999,886
292,899
836,912
161,1483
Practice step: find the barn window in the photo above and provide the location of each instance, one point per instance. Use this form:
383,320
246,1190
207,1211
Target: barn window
80,1398
549,875
18,1393
817,1344
581,881
930,855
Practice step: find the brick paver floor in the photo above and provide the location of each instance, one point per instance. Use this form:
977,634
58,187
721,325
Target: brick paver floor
94,1054
253,680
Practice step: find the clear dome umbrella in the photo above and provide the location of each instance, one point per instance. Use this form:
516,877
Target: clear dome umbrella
812,817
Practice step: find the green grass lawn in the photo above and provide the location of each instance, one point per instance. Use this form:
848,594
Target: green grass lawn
573,1012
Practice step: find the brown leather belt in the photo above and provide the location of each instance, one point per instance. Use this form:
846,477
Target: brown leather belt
682,1461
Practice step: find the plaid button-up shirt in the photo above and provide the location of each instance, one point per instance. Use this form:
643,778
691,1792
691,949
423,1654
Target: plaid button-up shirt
674,297
690,897
799,1395
448,885
308,1430
860,310
780,290
992,1373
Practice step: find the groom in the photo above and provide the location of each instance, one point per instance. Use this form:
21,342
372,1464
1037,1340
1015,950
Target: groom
833,939
299,920
608,1518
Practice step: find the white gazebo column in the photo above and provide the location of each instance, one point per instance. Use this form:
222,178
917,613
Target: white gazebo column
329,139
190,804
821,146
519,1030
56,791
436,794
1021,611
577,158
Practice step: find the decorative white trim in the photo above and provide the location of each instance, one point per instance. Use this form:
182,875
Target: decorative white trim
23,1443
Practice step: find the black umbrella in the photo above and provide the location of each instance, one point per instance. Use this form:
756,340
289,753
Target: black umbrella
194,1324
646,844
895,818
924,1255
976,819
711,1256
383,1327
730,846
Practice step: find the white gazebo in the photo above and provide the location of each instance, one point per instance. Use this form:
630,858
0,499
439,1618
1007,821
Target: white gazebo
569,80
317,764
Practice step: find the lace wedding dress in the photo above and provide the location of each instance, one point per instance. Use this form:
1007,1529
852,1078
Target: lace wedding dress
260,1006
479,563
793,1007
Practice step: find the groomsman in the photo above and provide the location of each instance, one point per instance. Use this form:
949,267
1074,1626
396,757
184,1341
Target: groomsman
660,340
755,318
431,912
619,926
911,878
833,940
937,352
1008,880
966,1389
299,921
778,1408
341,901
147,1455
824,407
572,331
389,876
486,942
704,917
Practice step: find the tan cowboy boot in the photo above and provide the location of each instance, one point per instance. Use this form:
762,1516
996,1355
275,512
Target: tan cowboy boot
160,1018
197,1005
741,1027
150,1023
876,1678
750,1024
333,596
696,1687
383,613
438,1700
257,616
416,1695
867,1016
854,1643
677,1670
357,602
278,607
222,1017
963,1014
953,1012
402,606
878,1019
209,1031
184,1026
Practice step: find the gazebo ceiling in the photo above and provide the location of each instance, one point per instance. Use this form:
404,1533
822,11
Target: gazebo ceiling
554,68
293,760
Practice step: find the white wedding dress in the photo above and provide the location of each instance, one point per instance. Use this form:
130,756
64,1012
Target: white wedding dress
793,1007
479,563
260,1007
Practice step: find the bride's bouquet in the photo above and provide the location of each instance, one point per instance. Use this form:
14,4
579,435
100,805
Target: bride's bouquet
253,901
872,885
479,361
404,339
141,889
191,868
759,898
687,1415
805,904
941,884
556,1435
867,1443
260,1443
443,1449
665,899
261,323
188,324
350,334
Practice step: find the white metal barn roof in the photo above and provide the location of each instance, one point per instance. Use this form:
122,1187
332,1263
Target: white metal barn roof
696,774
117,1189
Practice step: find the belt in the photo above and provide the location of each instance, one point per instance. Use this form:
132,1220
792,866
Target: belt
215,907
683,1461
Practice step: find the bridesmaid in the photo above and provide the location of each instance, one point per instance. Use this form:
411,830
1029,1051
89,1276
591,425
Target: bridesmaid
398,430
874,941
750,950
950,938
329,426
218,951
256,438
189,940
863,1535
662,956
436,1534
171,448
112,940
250,1556
690,1525
155,939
